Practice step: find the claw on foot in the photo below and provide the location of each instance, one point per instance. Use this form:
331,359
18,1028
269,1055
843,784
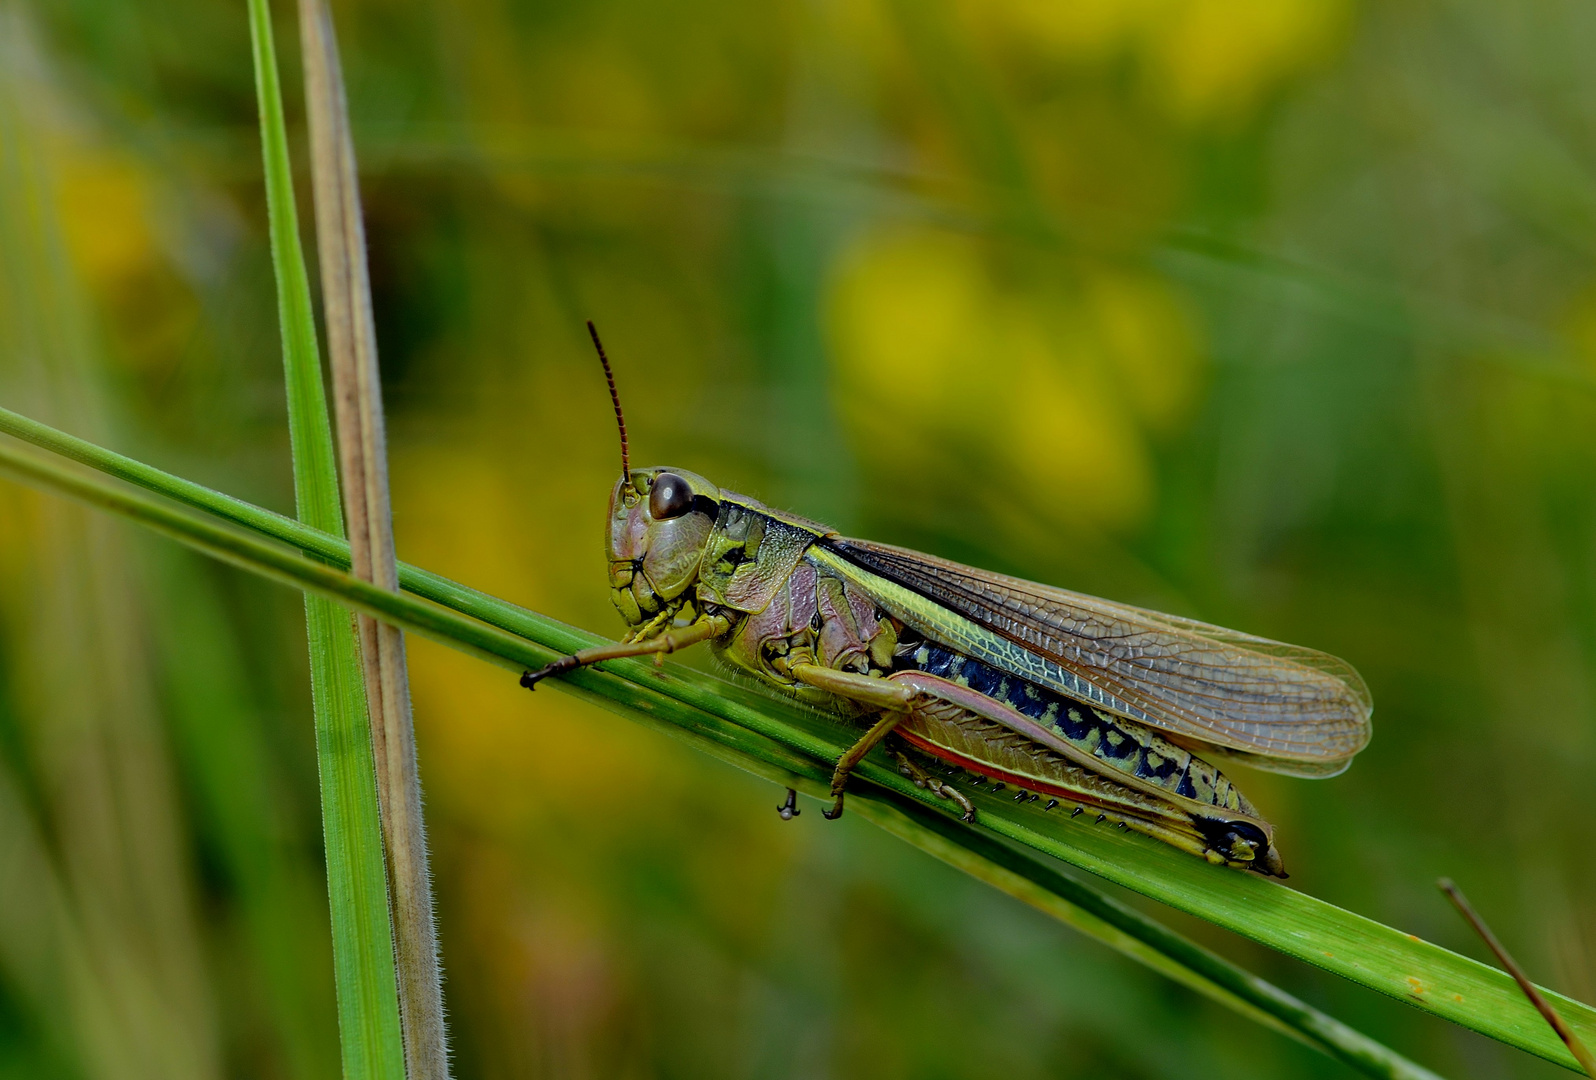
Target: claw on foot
836,810
530,679
945,791
789,809
964,804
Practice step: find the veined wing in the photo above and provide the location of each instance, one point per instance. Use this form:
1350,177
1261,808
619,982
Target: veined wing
1276,706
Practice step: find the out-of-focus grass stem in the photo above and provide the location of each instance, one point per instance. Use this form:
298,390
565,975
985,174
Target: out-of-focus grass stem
363,959
363,453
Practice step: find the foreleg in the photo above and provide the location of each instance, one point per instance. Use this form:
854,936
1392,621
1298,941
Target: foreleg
712,626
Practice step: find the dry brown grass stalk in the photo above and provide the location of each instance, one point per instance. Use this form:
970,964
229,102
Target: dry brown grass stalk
362,442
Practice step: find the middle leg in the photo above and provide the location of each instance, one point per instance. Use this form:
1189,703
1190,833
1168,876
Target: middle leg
855,754
891,700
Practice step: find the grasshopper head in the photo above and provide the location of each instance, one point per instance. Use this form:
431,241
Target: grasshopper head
660,521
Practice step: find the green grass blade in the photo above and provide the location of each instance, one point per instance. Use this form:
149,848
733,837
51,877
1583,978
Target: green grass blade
309,432
1419,973
1098,915
368,1007
643,693
740,721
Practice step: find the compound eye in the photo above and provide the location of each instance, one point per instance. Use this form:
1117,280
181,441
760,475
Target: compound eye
671,497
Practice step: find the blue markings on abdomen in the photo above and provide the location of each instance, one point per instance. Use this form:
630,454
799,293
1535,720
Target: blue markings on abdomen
1029,701
942,663
988,681
1123,745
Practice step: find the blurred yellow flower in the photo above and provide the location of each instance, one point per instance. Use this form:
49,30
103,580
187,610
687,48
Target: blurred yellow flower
1203,60
1066,434
107,207
1080,30
1217,58
950,357
1150,335
105,215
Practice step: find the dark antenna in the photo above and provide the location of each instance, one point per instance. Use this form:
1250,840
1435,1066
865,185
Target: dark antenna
620,421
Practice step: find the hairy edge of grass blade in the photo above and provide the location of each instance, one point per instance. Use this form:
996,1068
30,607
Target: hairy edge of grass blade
363,453
357,887
772,738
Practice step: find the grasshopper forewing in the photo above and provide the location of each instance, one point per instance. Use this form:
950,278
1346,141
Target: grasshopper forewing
1281,707
1115,709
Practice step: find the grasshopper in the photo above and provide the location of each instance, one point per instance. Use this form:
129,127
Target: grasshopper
1058,694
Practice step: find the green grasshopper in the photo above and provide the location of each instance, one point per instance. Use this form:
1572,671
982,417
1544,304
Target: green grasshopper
1086,701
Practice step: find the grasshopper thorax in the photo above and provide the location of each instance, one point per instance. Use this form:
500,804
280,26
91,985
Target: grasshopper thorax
659,526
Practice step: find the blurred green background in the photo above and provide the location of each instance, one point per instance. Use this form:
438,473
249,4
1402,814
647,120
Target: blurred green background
1277,313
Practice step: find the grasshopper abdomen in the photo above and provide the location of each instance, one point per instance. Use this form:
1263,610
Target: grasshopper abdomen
1122,771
